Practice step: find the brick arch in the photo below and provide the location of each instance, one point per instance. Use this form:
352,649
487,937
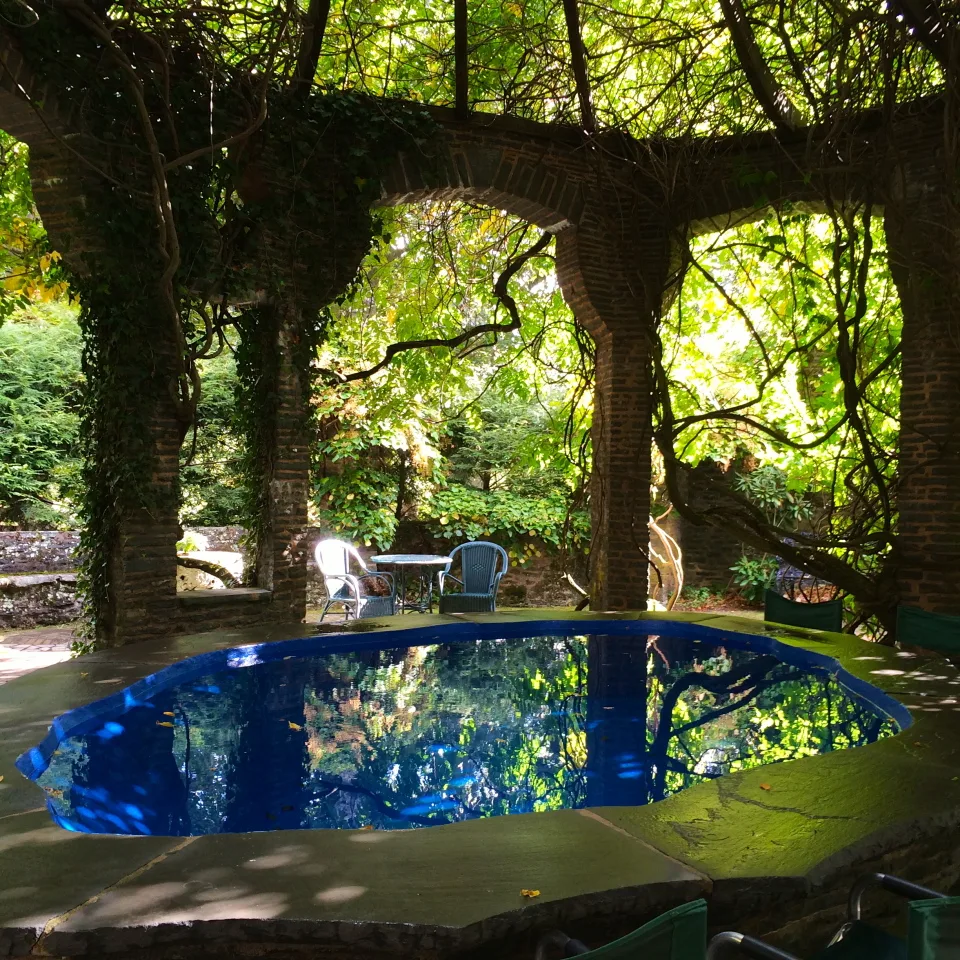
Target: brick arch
531,170
31,112
612,266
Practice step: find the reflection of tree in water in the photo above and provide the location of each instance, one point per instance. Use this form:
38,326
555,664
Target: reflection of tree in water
433,734
723,715
436,733
443,733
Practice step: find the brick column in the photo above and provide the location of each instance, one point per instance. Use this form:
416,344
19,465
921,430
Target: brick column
281,563
924,252
620,485
620,307
141,560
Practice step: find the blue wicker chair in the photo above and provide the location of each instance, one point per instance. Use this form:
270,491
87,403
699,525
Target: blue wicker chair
482,566
358,595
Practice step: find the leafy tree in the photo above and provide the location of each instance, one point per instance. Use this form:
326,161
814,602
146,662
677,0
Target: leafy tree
437,430
209,474
29,271
40,381
785,339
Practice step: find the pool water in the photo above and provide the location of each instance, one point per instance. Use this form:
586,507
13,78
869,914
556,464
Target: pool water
412,736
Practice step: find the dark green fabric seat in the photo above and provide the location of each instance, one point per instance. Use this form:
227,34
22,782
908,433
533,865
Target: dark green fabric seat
678,934
863,941
933,933
937,631
812,616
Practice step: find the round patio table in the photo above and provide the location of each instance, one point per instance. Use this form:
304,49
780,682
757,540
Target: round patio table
420,565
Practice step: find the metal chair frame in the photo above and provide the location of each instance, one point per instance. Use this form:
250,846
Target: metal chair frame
335,581
730,943
902,888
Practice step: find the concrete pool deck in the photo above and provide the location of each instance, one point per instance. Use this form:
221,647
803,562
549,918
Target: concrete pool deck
776,857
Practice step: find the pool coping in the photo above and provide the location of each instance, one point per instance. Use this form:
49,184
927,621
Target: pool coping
759,837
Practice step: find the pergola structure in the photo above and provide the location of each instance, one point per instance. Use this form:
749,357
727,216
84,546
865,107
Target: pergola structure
618,222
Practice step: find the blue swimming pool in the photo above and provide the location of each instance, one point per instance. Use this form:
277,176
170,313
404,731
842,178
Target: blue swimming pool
422,727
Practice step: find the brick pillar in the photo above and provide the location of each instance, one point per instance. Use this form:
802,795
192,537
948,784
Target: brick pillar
310,244
281,562
924,252
141,557
620,485
620,308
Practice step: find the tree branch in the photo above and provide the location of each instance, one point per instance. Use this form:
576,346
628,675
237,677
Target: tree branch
451,343
579,64
311,44
773,99
930,28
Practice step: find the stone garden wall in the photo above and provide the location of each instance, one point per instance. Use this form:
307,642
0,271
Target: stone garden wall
38,583
708,553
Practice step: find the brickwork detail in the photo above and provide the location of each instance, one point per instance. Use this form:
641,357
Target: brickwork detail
924,251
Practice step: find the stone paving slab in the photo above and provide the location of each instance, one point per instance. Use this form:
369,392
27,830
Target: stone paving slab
23,651
803,819
445,877
15,663
47,872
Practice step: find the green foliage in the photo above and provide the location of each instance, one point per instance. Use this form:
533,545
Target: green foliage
754,575
697,595
526,525
492,435
500,443
210,494
29,270
769,488
359,503
40,385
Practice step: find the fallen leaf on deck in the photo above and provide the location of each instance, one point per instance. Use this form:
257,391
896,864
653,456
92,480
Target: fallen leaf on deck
164,723
765,786
530,893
